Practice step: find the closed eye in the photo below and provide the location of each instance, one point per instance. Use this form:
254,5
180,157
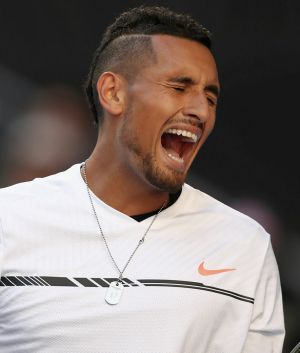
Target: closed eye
212,101
178,88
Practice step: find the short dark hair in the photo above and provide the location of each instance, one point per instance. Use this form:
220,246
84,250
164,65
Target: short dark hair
126,44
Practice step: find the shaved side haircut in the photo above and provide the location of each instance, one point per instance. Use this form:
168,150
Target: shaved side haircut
126,46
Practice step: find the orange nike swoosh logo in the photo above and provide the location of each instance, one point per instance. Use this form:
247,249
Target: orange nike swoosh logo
205,272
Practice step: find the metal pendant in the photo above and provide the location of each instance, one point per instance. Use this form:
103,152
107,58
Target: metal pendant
114,293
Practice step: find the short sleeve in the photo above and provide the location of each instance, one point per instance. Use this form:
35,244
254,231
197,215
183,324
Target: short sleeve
266,332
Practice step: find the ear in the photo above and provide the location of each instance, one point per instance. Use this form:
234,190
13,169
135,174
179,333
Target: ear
111,92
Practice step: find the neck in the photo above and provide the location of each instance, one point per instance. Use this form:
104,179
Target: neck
120,191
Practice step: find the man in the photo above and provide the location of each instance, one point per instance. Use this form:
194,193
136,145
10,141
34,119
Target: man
118,254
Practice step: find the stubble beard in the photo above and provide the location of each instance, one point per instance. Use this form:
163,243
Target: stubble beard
170,181
146,164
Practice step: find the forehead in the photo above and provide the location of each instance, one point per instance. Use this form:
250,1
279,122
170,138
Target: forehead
175,55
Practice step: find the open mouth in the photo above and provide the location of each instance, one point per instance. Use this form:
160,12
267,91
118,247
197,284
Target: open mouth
179,143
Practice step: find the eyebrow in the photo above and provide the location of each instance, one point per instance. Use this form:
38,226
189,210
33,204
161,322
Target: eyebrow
182,79
189,81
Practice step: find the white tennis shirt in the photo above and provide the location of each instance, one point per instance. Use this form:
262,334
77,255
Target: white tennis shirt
178,298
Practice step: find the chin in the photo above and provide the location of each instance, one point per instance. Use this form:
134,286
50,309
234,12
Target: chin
168,181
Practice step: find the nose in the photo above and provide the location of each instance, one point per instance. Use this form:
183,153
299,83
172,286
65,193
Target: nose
197,106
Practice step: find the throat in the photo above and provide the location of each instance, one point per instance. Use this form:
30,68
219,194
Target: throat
122,190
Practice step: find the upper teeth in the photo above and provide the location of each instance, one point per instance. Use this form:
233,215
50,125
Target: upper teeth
183,133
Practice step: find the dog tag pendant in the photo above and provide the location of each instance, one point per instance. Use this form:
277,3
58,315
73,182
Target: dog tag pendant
114,293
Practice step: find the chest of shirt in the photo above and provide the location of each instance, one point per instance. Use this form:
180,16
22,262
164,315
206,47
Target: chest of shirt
55,279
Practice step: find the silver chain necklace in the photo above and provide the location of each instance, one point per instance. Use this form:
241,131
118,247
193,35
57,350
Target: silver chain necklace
115,289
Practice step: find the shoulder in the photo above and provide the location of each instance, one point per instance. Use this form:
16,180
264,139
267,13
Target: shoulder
224,218
26,193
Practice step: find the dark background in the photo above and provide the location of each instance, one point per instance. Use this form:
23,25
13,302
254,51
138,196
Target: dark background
254,150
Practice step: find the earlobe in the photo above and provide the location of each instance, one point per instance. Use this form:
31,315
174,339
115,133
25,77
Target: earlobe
110,88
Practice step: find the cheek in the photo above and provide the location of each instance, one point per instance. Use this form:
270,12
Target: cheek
150,110
148,118
158,102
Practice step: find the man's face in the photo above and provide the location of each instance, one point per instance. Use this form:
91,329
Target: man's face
170,112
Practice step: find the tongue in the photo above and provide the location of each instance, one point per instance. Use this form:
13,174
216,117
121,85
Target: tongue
172,144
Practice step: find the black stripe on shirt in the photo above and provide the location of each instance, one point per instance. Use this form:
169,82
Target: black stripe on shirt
197,285
44,281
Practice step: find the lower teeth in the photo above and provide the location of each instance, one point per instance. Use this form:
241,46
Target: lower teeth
178,159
